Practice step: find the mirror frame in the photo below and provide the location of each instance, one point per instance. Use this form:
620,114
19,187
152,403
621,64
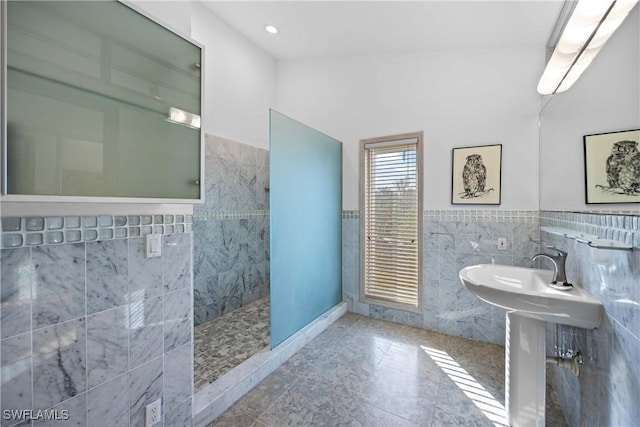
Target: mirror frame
5,197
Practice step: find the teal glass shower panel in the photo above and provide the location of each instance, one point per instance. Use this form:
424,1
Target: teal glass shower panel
306,225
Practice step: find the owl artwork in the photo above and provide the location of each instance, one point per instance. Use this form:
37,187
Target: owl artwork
474,176
623,168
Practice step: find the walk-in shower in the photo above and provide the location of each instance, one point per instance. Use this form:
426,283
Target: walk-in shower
231,259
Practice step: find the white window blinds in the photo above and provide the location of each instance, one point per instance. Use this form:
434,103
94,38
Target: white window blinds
391,221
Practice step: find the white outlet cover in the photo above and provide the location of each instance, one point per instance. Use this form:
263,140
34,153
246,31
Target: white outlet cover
502,243
153,413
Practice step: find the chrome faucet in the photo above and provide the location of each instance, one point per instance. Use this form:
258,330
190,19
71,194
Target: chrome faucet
558,260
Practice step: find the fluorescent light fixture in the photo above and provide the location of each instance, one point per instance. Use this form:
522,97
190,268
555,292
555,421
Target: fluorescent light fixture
184,118
587,30
272,29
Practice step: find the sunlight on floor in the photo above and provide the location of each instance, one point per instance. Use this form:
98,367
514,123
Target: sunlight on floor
490,407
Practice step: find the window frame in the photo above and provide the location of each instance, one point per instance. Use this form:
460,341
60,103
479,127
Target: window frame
390,140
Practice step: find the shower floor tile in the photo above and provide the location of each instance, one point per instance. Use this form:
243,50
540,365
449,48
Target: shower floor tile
369,372
223,343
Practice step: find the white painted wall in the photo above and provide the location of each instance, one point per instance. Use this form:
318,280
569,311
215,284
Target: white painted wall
606,98
239,81
174,13
458,98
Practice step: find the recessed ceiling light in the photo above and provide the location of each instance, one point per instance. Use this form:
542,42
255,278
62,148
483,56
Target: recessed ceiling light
271,29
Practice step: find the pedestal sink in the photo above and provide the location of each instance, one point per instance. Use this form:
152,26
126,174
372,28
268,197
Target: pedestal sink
531,301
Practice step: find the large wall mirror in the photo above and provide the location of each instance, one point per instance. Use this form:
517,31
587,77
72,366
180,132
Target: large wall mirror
101,101
605,99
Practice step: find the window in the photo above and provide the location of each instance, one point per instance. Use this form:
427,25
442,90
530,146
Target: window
391,207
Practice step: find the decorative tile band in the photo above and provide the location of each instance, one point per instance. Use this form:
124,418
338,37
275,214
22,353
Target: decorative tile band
207,215
618,220
598,212
481,215
468,215
350,214
618,227
56,230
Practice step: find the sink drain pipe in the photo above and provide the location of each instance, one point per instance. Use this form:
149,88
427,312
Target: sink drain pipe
572,363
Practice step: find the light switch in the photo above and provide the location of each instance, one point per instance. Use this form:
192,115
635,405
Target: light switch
154,245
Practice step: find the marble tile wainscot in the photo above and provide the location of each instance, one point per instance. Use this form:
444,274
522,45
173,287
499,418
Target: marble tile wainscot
88,324
452,239
606,393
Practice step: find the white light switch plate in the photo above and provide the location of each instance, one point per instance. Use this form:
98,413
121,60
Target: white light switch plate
154,245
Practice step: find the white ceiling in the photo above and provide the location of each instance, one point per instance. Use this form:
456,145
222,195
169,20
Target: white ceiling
312,29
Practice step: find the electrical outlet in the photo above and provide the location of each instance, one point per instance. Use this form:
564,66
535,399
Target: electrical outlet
502,243
152,413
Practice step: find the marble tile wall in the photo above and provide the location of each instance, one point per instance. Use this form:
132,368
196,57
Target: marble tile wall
452,240
231,230
607,391
97,329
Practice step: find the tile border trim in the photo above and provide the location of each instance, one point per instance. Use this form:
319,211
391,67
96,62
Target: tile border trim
620,227
30,231
208,215
350,214
479,215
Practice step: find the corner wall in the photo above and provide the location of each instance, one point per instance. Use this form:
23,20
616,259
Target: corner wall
604,99
239,81
94,327
109,362
606,393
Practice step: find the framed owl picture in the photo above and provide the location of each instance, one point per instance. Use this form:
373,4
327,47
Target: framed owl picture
612,167
477,175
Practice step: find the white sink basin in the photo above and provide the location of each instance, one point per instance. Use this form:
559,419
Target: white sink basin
527,291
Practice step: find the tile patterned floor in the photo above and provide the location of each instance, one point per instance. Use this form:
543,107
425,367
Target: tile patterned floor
227,341
368,372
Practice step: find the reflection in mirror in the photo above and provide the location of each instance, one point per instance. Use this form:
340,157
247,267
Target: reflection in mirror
605,99
89,89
